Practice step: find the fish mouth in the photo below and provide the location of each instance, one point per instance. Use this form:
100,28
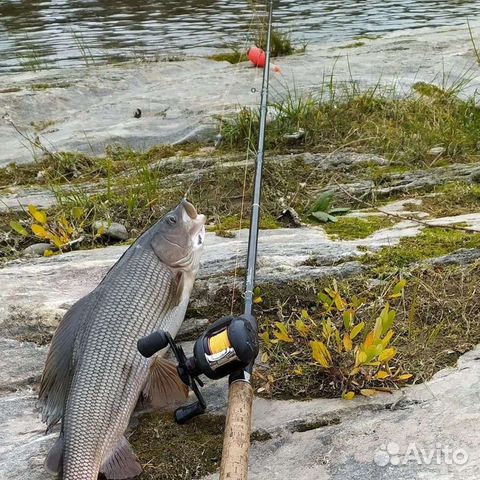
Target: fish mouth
190,210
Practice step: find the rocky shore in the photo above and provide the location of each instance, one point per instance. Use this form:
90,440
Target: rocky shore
424,431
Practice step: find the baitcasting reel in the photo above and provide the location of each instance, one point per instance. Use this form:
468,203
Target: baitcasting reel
228,346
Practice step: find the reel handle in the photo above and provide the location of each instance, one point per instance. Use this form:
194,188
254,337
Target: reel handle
186,413
152,343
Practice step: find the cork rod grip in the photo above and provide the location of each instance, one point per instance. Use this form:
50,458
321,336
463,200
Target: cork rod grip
236,442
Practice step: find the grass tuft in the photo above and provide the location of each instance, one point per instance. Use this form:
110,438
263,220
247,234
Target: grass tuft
375,120
430,243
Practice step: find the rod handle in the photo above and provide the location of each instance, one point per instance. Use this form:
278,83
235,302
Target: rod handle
238,425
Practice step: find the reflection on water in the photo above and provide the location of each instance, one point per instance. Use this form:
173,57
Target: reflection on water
73,32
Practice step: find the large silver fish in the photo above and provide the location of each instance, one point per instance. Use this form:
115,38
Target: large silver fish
94,375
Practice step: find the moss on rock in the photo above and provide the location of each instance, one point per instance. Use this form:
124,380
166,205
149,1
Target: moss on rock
168,451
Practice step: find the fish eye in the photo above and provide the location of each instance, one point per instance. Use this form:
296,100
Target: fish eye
171,220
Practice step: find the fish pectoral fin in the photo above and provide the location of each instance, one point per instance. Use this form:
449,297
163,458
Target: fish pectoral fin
122,463
164,389
178,286
54,460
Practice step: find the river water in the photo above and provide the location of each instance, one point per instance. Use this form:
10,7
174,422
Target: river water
38,34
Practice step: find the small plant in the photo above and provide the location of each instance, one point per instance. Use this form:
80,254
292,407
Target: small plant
58,231
323,211
333,349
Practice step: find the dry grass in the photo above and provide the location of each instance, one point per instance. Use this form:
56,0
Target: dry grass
437,321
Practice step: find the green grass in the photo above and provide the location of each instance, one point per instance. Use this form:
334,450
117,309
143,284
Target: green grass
233,57
354,45
281,46
375,120
451,199
42,125
46,86
430,243
352,228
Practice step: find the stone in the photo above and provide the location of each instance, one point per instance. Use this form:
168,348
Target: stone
112,230
437,151
465,256
37,249
410,181
421,432
35,290
192,328
332,439
21,364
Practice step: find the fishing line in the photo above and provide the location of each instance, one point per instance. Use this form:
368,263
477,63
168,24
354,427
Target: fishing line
225,95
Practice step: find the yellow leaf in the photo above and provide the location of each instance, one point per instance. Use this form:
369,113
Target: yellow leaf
37,215
318,353
368,341
387,338
305,315
367,392
48,253
387,355
356,330
100,231
63,222
39,231
377,331
339,302
362,357
382,375
348,395
257,300
57,241
405,376
347,342
298,371
398,289
264,357
282,333
301,327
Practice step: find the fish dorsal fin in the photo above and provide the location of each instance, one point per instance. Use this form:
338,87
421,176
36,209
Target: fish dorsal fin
54,460
121,463
58,370
164,389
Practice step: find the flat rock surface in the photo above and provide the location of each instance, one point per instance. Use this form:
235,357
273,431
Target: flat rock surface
426,432
40,289
179,99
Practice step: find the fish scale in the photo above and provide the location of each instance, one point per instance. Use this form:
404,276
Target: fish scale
135,314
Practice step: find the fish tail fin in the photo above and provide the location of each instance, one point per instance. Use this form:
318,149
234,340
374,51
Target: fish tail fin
54,460
122,463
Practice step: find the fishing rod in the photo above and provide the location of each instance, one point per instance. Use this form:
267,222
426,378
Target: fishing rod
230,345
